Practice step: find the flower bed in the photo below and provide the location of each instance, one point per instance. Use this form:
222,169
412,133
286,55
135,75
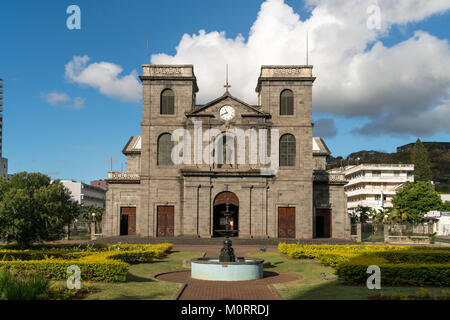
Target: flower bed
400,265
108,263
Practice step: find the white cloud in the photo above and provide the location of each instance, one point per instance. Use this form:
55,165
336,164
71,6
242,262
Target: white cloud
104,76
55,98
62,99
356,74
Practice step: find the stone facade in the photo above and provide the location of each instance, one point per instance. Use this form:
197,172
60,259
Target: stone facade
190,189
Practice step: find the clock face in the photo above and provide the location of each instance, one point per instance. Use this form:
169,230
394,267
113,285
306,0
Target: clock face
227,113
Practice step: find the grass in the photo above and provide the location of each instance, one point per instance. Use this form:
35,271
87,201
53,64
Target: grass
312,287
139,285
81,236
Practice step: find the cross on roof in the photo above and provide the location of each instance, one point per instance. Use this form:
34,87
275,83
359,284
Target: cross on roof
227,86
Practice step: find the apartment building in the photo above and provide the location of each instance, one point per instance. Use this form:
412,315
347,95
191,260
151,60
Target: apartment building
85,194
374,185
3,161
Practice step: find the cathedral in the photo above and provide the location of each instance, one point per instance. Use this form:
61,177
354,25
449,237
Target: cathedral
226,167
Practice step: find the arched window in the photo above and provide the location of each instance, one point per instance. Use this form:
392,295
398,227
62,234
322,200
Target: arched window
286,103
165,145
287,150
167,102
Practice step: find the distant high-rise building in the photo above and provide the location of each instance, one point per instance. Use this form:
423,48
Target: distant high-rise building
374,185
3,161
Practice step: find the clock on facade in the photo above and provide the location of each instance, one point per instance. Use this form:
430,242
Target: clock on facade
227,113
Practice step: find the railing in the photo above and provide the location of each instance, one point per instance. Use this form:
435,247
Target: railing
123,176
371,192
380,179
369,166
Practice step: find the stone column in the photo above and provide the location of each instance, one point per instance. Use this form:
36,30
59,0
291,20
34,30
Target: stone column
386,233
93,230
359,232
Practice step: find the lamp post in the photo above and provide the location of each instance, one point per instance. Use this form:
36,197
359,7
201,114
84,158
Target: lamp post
93,226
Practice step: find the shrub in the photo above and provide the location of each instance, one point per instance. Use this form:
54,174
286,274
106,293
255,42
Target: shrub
354,272
400,265
30,288
105,263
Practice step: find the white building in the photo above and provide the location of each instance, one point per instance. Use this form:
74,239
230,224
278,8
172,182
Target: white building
4,168
85,194
441,222
374,185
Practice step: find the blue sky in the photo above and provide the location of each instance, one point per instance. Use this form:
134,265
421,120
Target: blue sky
69,143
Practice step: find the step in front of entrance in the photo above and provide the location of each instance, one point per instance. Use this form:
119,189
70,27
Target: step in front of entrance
214,241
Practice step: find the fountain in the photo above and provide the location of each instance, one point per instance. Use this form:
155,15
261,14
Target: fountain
227,267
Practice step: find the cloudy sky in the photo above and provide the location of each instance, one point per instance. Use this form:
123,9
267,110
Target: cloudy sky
72,97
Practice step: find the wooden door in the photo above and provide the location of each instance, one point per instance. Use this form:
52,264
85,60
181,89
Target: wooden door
286,222
165,221
323,223
131,220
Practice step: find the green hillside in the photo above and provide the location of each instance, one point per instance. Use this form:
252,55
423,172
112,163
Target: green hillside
438,155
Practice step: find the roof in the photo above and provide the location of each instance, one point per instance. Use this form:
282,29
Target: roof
133,145
223,97
320,148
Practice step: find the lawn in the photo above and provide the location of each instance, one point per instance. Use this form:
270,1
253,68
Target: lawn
312,287
139,285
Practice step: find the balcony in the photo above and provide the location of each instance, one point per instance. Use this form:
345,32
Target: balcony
381,179
358,192
380,167
123,177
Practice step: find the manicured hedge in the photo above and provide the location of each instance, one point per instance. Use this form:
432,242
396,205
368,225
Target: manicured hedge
109,271
430,256
331,255
417,274
400,265
110,264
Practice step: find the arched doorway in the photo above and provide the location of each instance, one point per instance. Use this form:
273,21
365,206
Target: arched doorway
221,202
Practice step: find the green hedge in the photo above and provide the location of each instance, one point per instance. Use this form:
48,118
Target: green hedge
430,256
110,271
110,265
355,272
400,265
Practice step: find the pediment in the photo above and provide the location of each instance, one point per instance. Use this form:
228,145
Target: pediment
242,108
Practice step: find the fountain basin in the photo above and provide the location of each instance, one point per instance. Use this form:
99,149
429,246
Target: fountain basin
241,270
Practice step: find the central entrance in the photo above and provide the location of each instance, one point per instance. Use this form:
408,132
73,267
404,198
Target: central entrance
223,201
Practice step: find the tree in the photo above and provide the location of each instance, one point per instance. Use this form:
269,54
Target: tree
445,206
420,159
414,200
32,209
361,214
88,211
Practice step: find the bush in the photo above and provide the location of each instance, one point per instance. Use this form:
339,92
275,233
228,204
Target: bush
106,263
417,274
14,288
400,265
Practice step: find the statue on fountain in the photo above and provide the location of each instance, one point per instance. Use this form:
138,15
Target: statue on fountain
227,252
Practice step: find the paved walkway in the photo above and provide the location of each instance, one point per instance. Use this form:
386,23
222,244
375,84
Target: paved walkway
220,290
